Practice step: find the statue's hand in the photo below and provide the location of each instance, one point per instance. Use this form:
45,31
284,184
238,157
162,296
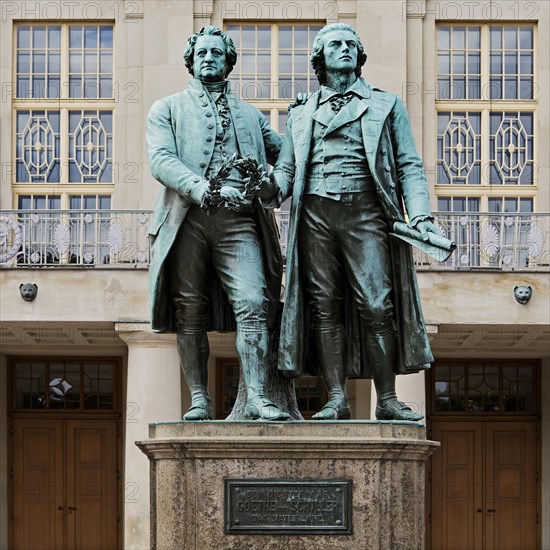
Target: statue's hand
267,189
300,99
233,198
425,227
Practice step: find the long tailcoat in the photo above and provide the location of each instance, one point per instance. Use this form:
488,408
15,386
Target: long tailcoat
399,177
181,133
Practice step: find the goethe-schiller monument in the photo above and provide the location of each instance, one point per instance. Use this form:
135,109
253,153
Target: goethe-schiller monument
351,307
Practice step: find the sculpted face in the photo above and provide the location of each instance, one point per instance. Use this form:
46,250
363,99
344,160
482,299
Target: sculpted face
522,294
209,59
340,51
28,291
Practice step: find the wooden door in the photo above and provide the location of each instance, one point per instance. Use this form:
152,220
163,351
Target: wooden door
483,486
65,493
38,476
91,497
511,487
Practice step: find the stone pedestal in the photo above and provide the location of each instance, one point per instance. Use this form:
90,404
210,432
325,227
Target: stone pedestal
381,463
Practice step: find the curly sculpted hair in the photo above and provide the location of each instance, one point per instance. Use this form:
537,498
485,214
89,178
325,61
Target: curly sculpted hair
230,51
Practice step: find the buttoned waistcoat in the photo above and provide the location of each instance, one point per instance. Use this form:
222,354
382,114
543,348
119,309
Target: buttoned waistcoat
181,134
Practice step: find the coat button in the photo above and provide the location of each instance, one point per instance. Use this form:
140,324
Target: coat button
196,180
384,152
387,168
184,204
209,139
343,187
202,165
206,152
205,104
210,126
201,94
208,114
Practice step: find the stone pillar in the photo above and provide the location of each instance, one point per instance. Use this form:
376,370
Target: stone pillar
415,13
545,430
257,485
153,394
5,486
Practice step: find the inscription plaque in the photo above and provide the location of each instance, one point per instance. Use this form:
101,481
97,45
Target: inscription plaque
288,507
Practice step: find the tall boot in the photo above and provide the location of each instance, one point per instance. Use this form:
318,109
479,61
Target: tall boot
382,355
253,351
193,350
331,355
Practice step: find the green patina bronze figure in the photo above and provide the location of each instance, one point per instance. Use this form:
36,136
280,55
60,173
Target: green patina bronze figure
349,162
216,262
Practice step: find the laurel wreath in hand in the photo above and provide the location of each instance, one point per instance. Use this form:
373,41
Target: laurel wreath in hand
253,179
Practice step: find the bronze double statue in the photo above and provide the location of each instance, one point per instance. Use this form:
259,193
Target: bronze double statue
349,162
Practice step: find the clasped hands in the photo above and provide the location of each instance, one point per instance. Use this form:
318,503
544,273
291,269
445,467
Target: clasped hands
233,198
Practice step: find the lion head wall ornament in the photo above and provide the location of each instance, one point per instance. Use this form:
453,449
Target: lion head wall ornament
522,294
28,291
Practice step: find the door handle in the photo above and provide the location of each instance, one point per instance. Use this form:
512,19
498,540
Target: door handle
490,511
70,509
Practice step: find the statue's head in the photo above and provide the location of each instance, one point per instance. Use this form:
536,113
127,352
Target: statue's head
321,56
210,54
522,294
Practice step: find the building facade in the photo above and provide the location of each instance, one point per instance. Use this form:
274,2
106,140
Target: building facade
82,374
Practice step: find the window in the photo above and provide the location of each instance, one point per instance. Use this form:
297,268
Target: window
458,62
517,235
474,388
463,230
486,111
511,65
70,141
273,65
84,385
459,148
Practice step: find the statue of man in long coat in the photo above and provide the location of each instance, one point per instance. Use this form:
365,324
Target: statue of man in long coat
349,161
209,272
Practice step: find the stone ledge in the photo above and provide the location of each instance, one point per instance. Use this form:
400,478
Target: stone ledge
365,429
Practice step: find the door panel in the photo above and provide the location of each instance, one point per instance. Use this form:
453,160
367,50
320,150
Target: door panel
456,486
38,484
92,490
511,465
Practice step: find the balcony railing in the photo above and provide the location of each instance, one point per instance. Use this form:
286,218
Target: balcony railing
79,238
489,241
118,238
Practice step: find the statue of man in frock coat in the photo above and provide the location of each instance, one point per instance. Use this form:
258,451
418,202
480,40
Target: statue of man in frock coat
349,162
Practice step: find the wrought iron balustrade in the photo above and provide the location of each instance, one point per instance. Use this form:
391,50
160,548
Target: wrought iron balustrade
118,238
491,241
83,238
